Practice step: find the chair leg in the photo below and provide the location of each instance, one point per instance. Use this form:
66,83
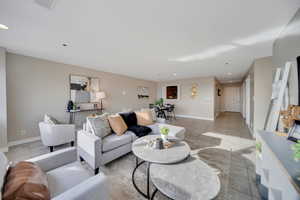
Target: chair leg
81,159
96,171
51,148
72,143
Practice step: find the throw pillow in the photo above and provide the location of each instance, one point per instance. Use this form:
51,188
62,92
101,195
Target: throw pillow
99,125
26,180
140,131
153,113
129,118
144,118
117,124
50,120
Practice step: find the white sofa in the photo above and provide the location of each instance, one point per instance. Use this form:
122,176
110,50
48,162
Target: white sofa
98,151
67,178
57,134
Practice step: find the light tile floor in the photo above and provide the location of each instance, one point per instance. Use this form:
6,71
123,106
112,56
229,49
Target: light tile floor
225,144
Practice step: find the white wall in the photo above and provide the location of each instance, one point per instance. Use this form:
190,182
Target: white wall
3,103
36,87
201,106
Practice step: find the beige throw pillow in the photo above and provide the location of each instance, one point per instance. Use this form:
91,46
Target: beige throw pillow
153,113
117,124
144,118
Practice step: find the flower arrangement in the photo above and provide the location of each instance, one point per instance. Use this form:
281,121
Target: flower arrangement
296,149
164,132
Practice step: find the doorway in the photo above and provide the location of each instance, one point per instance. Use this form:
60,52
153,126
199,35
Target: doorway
232,99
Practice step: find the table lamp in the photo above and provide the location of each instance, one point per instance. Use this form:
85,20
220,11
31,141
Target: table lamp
100,96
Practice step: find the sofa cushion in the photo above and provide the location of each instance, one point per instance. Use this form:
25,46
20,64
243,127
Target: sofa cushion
144,118
64,178
114,141
3,169
26,180
117,124
140,131
129,118
99,125
153,113
155,128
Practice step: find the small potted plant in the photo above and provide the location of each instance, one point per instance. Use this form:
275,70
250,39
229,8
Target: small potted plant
164,132
296,149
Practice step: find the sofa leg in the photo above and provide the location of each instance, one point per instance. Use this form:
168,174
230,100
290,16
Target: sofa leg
51,148
72,143
96,171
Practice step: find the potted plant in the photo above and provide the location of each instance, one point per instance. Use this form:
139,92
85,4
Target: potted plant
164,132
296,149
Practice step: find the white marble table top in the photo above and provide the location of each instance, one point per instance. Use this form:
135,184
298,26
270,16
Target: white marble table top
191,179
176,153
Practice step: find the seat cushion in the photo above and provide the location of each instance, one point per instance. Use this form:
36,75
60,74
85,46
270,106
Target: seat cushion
140,131
114,141
64,178
155,128
129,118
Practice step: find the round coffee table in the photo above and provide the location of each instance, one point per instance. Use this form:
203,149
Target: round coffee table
191,179
178,152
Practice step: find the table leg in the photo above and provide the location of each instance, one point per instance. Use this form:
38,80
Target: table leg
148,180
154,193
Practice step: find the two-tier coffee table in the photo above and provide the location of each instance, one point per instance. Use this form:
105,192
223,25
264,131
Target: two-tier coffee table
191,179
175,154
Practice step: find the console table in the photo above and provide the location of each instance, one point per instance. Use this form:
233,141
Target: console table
73,112
278,173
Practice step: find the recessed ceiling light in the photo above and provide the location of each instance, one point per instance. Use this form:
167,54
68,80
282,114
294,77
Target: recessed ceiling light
2,26
229,73
174,74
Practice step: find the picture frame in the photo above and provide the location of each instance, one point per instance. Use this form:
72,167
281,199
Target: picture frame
294,132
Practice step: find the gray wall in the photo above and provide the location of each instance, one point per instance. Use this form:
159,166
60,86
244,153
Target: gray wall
3,109
36,87
287,48
263,78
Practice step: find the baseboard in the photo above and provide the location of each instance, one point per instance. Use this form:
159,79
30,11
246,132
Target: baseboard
4,149
195,117
24,141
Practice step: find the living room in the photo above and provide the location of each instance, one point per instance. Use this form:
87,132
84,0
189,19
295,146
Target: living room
148,100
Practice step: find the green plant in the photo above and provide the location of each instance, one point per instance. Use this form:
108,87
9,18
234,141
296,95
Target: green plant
296,149
164,130
159,102
258,147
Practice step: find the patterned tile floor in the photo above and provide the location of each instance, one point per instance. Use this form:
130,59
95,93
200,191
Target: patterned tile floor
225,144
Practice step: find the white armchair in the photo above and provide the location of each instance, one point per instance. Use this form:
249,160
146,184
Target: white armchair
67,178
57,134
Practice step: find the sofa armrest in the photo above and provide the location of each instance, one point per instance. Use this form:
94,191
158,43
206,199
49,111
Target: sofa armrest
94,188
89,148
161,120
55,159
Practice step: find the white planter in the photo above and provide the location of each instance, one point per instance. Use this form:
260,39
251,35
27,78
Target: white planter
164,137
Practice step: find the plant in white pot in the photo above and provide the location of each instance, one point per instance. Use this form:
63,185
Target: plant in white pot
164,132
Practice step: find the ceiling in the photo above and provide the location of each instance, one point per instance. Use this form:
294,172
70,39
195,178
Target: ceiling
153,40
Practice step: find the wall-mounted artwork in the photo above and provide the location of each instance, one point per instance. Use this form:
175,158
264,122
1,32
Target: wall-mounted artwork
142,92
83,88
194,90
171,92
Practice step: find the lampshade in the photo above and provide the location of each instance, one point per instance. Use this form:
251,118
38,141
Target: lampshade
100,95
